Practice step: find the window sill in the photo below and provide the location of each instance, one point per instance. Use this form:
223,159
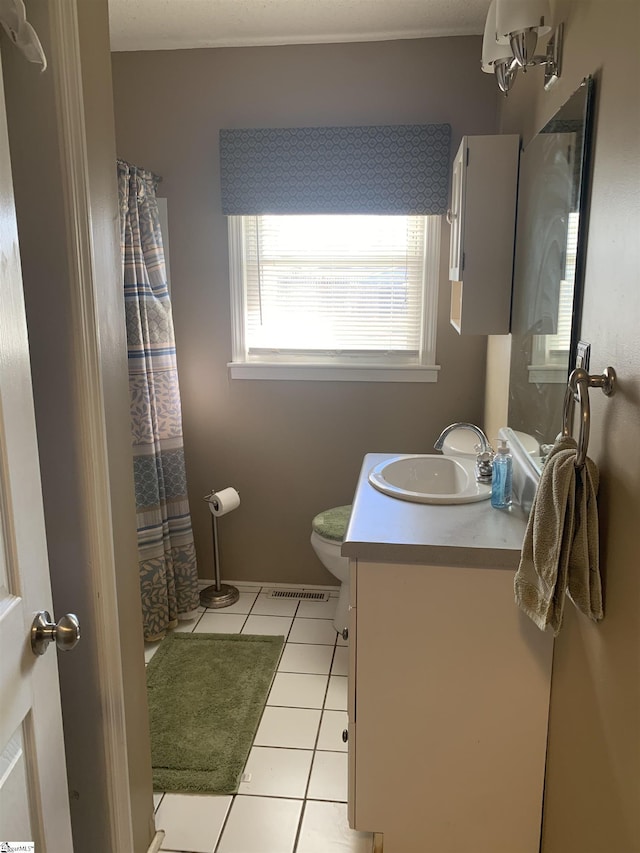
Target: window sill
334,372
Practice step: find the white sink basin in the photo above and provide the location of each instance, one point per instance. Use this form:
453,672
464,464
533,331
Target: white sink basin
429,479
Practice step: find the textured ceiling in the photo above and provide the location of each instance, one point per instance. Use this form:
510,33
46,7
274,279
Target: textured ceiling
176,24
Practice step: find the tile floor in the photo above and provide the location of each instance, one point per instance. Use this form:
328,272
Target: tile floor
293,795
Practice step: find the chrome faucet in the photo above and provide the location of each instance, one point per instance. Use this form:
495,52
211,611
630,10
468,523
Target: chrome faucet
484,458
484,441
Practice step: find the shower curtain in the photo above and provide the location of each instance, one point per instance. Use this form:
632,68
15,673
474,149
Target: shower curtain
166,553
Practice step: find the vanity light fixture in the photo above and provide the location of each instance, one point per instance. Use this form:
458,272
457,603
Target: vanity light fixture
497,56
510,41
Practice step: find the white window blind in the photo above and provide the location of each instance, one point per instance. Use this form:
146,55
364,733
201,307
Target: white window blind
550,352
334,285
561,341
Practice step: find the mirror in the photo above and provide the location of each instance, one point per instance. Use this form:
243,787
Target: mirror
548,271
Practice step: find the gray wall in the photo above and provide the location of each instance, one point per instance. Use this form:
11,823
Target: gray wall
290,448
593,771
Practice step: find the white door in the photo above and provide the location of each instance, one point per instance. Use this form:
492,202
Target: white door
34,805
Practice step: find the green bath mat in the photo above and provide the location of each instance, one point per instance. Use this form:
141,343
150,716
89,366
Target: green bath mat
206,695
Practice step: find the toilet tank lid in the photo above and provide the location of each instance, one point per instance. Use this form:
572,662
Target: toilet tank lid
332,523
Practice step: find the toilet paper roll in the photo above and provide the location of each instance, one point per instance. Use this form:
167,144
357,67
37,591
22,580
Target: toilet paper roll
226,501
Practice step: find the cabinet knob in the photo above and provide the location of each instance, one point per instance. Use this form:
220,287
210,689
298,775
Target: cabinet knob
345,735
345,633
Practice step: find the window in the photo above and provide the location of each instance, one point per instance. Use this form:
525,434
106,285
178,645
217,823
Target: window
558,345
334,297
551,352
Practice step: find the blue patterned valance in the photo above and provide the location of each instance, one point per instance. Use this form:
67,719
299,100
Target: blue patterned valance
401,169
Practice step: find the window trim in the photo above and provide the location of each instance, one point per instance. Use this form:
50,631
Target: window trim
340,368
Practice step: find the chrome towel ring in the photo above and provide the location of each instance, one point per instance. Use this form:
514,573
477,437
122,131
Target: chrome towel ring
578,391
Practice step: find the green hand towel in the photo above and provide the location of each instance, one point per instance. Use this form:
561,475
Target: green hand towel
560,548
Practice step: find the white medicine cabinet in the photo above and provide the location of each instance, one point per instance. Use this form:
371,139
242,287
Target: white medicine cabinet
482,218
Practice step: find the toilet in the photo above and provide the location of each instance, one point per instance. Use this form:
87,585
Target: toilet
328,529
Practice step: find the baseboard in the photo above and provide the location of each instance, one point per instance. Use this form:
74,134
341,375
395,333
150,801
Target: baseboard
156,843
204,582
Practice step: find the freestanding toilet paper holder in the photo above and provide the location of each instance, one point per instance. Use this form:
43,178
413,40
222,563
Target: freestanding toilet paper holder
218,594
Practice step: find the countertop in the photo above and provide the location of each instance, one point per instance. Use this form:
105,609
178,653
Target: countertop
388,530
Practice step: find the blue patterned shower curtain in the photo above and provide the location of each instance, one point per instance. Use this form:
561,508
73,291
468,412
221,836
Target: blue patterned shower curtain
166,553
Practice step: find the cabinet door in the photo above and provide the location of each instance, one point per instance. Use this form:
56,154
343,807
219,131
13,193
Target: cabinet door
482,217
452,693
455,214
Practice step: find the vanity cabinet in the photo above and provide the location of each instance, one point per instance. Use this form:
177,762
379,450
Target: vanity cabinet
448,705
482,218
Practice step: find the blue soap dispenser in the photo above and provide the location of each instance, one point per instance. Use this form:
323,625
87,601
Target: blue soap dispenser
502,477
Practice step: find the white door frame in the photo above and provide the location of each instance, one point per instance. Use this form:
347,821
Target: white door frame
91,426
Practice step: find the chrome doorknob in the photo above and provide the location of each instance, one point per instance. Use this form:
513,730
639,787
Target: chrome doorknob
65,632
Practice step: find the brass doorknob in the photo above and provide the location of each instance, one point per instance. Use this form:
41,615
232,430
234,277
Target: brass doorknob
65,632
